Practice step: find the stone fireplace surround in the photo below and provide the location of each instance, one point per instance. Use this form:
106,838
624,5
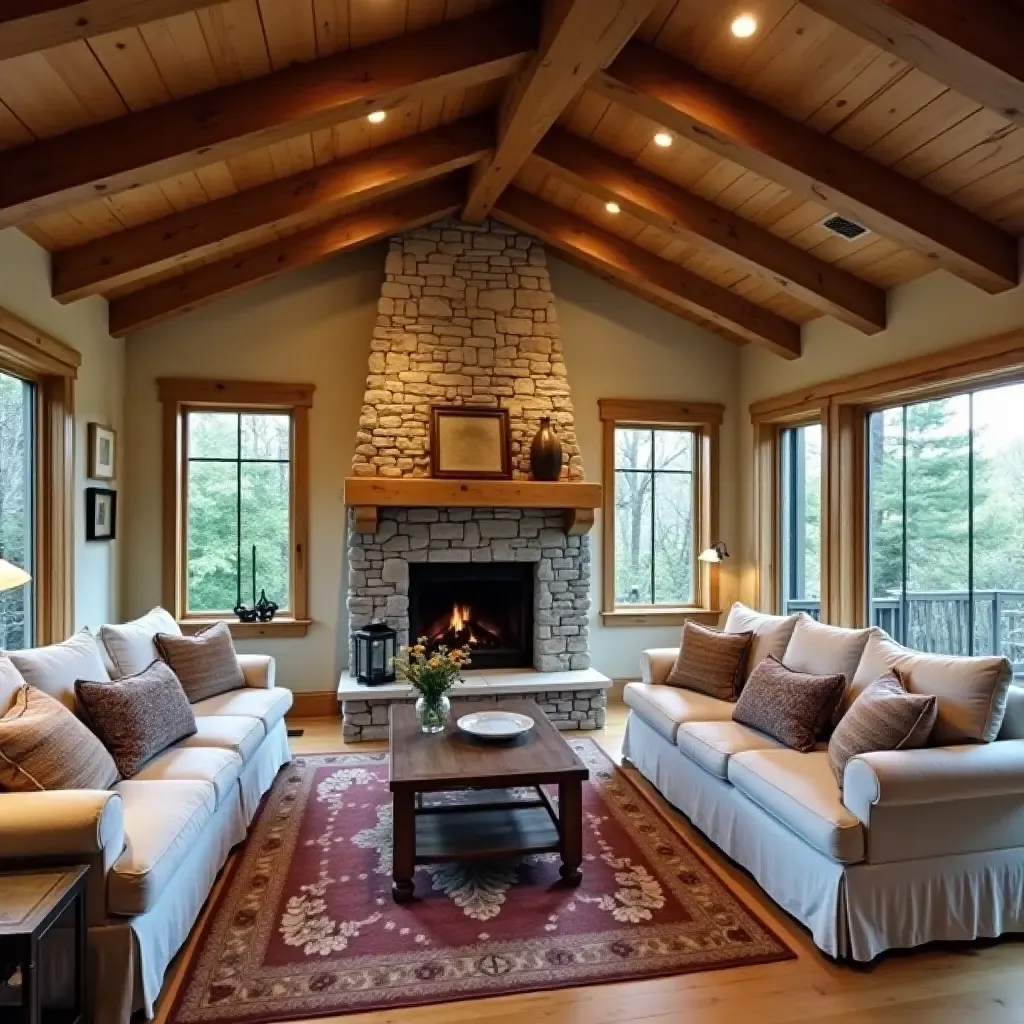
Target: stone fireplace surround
467,317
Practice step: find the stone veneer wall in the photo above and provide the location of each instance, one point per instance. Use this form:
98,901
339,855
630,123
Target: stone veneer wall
379,570
466,317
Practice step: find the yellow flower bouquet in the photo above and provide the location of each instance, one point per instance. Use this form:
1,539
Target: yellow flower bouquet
432,676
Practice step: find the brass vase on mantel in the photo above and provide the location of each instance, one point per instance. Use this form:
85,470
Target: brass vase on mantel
546,452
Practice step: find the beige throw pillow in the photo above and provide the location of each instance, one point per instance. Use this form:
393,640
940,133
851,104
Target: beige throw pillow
55,669
792,707
771,633
710,661
131,646
43,746
883,717
205,663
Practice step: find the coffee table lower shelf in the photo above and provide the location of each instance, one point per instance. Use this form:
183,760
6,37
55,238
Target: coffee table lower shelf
484,833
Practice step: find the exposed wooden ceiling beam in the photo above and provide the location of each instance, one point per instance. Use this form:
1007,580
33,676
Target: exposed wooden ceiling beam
224,277
676,211
973,47
721,119
114,260
577,39
30,25
647,274
180,136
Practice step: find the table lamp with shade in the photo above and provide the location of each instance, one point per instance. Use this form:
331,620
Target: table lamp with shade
718,552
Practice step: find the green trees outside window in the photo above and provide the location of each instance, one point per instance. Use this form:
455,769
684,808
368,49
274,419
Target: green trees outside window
17,499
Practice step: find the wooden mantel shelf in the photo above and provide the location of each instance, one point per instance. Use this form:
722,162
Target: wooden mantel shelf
367,494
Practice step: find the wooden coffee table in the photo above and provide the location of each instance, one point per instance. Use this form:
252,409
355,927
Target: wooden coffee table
488,824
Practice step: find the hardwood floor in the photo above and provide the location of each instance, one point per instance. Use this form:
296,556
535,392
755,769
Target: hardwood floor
981,983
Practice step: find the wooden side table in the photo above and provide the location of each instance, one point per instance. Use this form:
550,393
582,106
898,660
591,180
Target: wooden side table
31,904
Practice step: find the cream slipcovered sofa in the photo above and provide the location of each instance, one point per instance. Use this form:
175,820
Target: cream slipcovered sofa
156,842
919,844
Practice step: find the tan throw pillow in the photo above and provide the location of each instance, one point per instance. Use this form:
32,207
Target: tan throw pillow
883,717
792,707
710,661
138,716
771,633
44,746
205,663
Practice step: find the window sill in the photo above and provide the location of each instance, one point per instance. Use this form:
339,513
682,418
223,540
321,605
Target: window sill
660,617
277,629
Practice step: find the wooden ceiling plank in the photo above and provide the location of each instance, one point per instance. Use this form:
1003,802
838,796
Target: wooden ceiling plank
742,129
974,47
109,262
681,213
217,280
177,137
578,38
644,272
39,24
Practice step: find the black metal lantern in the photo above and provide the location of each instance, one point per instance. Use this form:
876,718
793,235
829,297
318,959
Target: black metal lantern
375,654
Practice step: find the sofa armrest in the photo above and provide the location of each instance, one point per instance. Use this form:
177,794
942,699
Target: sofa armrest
258,670
62,824
656,663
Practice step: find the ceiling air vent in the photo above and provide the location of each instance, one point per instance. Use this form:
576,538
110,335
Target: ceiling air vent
843,227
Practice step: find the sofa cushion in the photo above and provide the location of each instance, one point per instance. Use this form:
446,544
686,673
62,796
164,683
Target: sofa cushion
793,707
664,708
137,716
883,717
972,692
56,669
711,661
11,681
771,633
130,646
219,767
1013,721
825,650
800,791
44,746
162,821
269,706
228,732
711,744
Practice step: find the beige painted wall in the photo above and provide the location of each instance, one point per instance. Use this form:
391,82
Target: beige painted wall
935,312
99,397
315,326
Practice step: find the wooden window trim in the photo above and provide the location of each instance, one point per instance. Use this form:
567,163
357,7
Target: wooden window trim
842,407
178,395
705,419
53,367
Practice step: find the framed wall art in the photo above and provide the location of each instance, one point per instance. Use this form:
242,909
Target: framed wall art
100,513
102,452
469,443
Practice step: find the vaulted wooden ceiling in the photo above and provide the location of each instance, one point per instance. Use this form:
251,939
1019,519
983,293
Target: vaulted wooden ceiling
169,152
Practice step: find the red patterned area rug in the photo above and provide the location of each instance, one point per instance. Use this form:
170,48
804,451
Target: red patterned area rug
305,925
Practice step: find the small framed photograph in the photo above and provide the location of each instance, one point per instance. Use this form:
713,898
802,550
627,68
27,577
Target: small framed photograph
100,513
102,452
469,443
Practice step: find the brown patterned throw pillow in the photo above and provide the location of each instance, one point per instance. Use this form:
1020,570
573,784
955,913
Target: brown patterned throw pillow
138,716
884,717
44,746
792,707
711,661
205,663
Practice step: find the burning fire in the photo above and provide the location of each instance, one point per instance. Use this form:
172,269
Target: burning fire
460,618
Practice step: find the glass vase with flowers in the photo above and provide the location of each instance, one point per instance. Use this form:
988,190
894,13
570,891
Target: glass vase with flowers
432,674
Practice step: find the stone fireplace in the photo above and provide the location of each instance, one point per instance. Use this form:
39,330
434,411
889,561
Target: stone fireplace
467,317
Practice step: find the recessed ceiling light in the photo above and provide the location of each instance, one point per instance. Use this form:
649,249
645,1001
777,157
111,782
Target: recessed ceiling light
377,116
612,207
744,26
663,139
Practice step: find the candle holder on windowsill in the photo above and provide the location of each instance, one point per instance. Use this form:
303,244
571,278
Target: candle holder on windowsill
262,610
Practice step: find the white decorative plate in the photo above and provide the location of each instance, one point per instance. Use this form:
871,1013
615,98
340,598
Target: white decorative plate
495,725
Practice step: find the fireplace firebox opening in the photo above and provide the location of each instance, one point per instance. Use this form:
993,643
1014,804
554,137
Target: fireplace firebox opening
487,607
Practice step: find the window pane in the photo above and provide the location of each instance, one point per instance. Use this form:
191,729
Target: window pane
673,450
673,538
265,524
212,536
801,519
17,489
633,582
633,448
885,520
212,435
266,435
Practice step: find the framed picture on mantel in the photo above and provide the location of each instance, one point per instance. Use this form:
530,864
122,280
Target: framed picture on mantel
469,443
